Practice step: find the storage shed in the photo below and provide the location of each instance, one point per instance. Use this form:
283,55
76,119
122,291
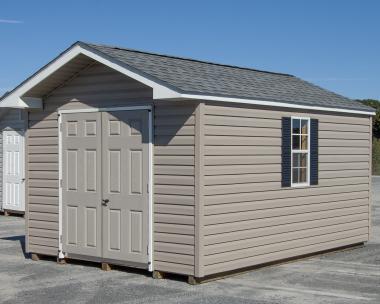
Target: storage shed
12,159
190,167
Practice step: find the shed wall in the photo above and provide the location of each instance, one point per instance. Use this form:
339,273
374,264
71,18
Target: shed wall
173,164
249,219
174,188
11,119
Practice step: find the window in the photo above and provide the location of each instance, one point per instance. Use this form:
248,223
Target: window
300,155
299,151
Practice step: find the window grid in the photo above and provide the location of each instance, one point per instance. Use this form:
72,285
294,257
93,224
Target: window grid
300,148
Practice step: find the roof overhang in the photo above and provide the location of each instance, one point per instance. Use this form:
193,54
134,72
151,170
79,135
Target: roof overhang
21,103
18,98
273,104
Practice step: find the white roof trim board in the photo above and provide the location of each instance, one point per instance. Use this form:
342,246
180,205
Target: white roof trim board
274,104
162,90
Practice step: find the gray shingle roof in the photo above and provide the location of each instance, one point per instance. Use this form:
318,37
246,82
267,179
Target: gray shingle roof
205,78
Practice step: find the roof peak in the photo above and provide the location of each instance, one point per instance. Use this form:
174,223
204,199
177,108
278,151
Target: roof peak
183,58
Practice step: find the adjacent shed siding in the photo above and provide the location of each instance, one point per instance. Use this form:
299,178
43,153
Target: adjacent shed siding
174,188
173,158
249,219
11,119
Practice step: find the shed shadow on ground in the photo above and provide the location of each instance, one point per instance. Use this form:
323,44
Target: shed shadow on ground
18,238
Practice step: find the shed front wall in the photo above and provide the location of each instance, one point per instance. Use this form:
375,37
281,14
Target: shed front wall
99,86
247,218
14,120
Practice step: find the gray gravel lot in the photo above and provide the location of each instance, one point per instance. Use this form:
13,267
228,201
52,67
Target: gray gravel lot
344,277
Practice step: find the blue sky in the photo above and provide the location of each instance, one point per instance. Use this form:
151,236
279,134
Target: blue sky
335,44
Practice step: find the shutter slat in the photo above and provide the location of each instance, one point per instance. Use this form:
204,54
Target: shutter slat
286,152
314,152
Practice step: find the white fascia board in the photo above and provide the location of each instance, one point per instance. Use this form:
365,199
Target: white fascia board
13,100
159,91
273,104
21,103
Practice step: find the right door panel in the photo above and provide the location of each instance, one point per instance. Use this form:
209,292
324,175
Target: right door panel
125,158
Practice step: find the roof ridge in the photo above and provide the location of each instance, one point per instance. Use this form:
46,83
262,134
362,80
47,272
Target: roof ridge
184,58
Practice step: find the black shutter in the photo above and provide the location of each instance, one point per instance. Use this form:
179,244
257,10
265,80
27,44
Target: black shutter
286,152
314,152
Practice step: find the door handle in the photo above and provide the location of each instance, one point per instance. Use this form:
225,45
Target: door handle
105,202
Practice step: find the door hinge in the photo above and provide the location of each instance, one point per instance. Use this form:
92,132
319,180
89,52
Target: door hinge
61,238
147,188
147,250
60,183
60,127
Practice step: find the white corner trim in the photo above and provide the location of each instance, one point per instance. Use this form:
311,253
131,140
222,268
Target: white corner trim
151,204
61,254
272,104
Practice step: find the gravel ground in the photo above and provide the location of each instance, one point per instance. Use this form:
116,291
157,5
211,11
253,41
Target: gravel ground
351,276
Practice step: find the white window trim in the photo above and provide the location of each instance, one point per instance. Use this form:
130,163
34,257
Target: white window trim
297,185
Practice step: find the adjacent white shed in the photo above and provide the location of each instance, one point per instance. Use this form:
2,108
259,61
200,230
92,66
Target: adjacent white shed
12,160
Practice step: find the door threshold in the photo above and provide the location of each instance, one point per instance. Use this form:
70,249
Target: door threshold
81,257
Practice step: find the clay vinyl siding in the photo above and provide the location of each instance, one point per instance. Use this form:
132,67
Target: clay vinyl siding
12,119
248,219
174,188
173,159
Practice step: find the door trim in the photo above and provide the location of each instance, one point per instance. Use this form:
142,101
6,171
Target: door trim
106,109
62,254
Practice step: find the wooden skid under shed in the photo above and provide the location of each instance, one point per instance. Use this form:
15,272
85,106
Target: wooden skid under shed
194,280
7,212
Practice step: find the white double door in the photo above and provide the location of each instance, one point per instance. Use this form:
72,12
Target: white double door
13,171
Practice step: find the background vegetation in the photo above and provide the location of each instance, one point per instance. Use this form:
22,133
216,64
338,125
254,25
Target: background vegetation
375,133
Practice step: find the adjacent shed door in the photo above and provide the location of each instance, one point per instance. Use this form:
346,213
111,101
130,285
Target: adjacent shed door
13,171
105,163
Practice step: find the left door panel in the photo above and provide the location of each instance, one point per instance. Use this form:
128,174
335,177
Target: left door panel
81,183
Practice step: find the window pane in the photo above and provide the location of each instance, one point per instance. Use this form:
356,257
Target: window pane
296,160
304,142
303,160
295,176
304,126
302,175
296,142
296,126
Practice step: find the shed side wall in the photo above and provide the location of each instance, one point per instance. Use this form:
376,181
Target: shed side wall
249,219
99,86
